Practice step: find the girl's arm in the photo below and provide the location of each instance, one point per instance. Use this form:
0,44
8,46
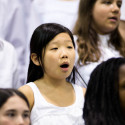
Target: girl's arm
84,91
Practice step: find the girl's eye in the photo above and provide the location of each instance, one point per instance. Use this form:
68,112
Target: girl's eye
26,115
119,4
70,47
54,48
11,114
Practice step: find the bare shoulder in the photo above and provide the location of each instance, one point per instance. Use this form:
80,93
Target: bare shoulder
27,91
84,91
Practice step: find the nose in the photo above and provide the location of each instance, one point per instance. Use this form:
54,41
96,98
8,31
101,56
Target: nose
20,120
64,53
115,8
65,56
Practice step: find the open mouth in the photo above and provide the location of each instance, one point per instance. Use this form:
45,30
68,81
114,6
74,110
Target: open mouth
113,18
64,66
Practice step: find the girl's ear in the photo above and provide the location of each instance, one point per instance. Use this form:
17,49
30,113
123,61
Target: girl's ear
34,58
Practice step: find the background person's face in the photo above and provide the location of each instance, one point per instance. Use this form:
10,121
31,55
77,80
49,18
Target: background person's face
122,87
14,112
106,15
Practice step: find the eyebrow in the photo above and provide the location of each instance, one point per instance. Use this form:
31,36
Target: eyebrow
13,110
27,111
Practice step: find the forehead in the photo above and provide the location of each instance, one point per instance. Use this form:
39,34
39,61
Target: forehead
13,102
61,37
108,0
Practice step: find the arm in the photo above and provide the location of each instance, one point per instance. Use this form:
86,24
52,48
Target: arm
84,91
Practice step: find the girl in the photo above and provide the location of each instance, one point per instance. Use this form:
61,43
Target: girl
97,32
105,95
14,108
52,96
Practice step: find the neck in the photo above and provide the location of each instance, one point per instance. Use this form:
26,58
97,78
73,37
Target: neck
52,82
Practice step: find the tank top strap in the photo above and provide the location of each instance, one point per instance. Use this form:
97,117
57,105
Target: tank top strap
79,95
38,98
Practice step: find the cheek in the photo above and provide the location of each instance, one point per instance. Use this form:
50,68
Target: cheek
122,98
72,57
6,121
50,61
27,122
99,14
50,58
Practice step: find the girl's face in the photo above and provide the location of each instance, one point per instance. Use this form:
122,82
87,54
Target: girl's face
122,86
106,15
59,57
14,112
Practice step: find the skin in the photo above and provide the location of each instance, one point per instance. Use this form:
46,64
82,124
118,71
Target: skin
122,87
60,50
104,12
14,112
122,29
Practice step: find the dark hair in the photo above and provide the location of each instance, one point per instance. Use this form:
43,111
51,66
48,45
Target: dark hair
87,36
102,102
42,35
5,94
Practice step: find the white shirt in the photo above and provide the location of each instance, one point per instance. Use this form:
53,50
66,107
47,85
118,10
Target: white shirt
57,11
17,23
106,51
45,113
8,66
123,10
13,29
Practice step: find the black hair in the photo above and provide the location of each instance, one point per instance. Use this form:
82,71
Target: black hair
42,35
102,102
5,94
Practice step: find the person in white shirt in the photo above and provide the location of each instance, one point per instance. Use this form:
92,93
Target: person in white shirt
13,30
17,22
98,36
9,76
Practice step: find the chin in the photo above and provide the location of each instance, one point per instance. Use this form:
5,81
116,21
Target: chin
108,31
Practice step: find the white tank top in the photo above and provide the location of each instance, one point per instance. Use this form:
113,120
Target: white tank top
45,113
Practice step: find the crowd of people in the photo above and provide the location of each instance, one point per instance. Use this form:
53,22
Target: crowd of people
62,62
